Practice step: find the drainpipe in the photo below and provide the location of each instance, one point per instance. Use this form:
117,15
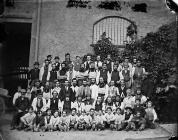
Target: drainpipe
39,3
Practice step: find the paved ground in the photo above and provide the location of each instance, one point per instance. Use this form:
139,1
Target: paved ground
156,134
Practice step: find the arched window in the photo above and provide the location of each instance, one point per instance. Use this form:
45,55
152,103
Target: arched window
115,28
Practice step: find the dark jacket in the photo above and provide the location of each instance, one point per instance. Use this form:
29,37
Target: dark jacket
22,103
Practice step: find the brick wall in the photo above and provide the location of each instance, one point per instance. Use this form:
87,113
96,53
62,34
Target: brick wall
70,29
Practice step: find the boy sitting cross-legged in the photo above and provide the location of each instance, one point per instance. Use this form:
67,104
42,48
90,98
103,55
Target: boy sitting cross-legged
109,119
54,121
100,119
118,119
26,121
127,118
73,119
64,122
47,119
38,122
82,121
92,117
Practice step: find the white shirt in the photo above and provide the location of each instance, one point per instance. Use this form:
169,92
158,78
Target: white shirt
16,95
103,90
128,102
54,121
74,88
143,99
94,91
34,104
80,106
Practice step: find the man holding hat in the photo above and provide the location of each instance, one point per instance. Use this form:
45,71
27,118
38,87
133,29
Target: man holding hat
22,103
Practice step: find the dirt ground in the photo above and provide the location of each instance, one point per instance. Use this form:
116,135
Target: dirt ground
156,134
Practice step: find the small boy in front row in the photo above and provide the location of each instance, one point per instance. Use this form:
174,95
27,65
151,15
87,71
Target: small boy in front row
54,122
64,122
109,119
150,116
26,121
100,121
83,121
47,119
118,119
38,122
73,119
127,118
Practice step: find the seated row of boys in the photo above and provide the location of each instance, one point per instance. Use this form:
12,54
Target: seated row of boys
137,118
86,105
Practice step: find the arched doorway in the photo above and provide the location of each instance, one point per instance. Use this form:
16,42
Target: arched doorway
115,28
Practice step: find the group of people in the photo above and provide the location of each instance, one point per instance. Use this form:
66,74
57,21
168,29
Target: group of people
85,95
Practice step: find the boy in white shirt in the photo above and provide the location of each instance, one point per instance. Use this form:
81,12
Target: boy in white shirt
118,119
54,122
64,122
73,119
100,119
110,118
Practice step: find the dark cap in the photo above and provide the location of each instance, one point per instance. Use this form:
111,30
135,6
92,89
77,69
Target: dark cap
56,57
118,108
49,55
128,107
36,63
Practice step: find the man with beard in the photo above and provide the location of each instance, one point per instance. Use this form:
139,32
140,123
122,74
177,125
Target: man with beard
92,73
62,73
94,89
137,73
82,73
74,88
115,75
83,90
104,73
44,72
102,89
122,90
